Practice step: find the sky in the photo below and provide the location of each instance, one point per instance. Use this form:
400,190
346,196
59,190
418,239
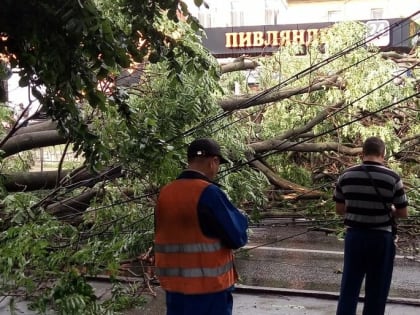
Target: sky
19,95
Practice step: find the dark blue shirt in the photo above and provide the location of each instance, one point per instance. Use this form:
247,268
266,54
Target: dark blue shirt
218,217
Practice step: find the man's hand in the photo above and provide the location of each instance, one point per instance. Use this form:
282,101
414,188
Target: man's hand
340,208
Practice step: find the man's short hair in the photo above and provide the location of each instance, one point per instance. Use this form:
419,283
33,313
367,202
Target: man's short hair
374,146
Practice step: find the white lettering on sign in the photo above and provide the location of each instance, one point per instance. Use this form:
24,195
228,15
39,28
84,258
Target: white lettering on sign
271,38
378,32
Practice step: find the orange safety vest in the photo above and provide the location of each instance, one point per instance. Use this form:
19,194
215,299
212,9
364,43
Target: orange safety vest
187,261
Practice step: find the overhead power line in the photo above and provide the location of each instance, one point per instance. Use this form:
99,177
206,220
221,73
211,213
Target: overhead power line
238,166
360,43
293,78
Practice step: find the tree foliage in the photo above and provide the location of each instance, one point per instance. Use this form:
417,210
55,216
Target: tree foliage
307,122
65,49
89,219
69,54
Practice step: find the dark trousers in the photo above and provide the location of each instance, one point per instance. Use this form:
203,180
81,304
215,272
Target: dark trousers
220,303
368,254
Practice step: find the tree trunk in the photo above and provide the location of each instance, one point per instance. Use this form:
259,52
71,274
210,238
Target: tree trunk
28,141
243,102
70,209
274,179
280,145
238,65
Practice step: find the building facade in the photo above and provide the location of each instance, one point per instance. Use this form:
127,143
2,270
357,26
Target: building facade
255,27
228,13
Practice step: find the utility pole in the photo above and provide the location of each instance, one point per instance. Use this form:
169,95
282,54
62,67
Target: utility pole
5,74
3,91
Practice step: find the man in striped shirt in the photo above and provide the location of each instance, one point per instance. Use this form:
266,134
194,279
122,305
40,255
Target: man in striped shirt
369,248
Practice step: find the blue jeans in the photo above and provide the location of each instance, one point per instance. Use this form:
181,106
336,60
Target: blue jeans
220,303
367,253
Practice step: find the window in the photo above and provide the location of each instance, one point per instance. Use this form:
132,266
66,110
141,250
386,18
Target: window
205,19
334,16
237,18
271,17
271,12
376,13
236,14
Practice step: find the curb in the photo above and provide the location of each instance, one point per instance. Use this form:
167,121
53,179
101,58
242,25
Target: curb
247,289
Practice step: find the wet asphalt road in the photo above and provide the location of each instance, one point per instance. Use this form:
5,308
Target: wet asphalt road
276,304
302,276
295,272
310,261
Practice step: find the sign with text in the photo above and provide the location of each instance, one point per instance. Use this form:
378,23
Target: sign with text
378,32
262,39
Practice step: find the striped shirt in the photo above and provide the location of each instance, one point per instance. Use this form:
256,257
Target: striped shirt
364,207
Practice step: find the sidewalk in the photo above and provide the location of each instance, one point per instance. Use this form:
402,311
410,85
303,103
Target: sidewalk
250,301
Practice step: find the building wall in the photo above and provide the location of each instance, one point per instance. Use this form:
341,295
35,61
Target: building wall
331,11
225,13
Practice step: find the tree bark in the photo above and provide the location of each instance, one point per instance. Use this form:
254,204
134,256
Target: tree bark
300,191
400,58
280,145
28,141
298,132
38,126
238,65
243,102
30,181
70,209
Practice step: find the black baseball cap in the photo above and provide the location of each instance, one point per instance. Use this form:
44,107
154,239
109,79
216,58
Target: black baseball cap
205,147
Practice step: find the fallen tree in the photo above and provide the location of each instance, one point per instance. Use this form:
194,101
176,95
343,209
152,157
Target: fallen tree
289,137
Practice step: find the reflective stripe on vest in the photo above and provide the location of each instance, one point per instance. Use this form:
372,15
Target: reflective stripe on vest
194,272
188,248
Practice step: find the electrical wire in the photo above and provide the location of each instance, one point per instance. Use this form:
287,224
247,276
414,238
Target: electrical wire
299,75
238,166
264,93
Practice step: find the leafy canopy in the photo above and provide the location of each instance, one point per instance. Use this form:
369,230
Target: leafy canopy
64,49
